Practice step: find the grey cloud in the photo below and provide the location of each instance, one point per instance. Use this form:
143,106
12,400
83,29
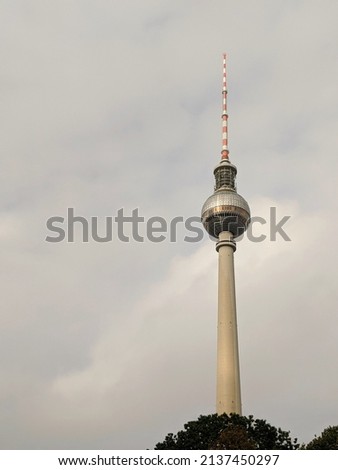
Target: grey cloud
112,104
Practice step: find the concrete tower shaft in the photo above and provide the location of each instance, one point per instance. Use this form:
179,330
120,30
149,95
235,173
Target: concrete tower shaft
228,392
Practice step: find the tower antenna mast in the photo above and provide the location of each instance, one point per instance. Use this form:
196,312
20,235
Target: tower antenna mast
225,150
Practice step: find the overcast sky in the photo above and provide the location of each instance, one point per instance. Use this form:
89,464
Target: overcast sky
112,104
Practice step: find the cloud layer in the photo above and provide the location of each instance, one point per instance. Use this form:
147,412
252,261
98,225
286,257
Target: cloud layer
116,104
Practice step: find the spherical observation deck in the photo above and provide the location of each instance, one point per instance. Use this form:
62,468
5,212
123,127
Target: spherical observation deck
225,211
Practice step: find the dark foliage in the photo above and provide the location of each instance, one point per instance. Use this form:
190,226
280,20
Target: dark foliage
228,432
328,440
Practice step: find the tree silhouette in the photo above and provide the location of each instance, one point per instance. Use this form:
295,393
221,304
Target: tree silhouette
328,440
228,432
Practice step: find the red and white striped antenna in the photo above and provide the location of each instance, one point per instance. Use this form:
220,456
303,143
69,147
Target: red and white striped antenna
225,150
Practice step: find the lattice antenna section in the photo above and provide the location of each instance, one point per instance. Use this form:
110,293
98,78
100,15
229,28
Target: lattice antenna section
225,172
225,149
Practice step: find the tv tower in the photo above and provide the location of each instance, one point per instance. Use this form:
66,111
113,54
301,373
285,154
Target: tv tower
225,216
